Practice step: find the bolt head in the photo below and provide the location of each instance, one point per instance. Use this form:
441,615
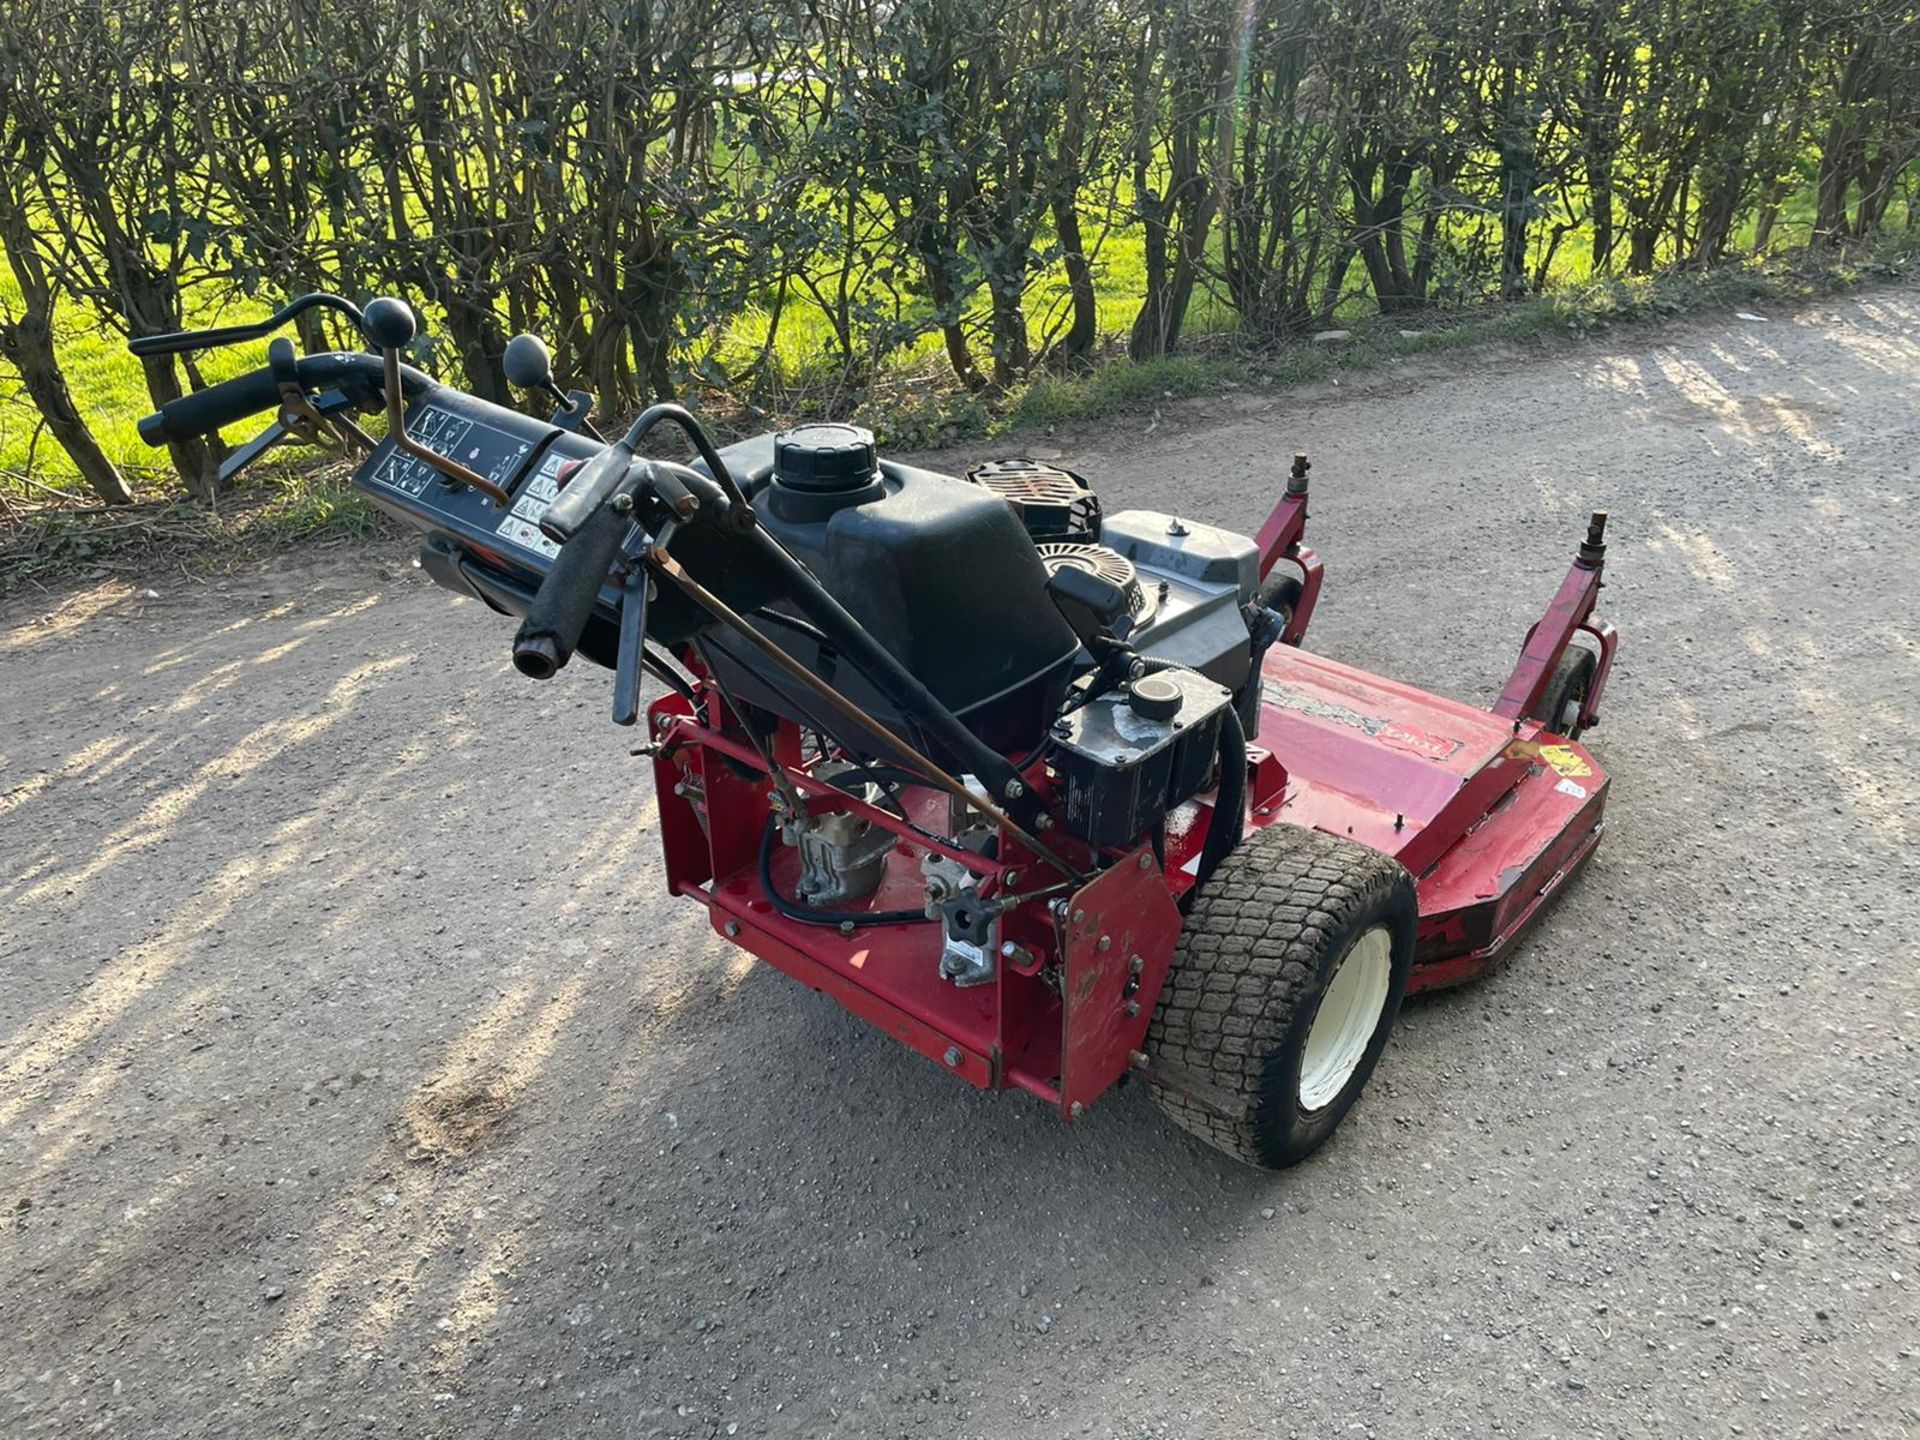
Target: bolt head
1015,790
1076,1109
731,929
1106,942
1133,1009
952,1057
1146,861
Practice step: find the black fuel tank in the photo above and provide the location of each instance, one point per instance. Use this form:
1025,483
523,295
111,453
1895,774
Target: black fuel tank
940,571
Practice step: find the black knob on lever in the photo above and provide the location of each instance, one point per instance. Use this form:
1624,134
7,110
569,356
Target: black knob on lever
388,323
528,364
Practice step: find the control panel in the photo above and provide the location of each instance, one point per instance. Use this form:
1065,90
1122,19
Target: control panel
522,455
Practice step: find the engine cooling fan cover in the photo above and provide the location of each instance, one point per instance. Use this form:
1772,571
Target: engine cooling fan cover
1109,565
1054,504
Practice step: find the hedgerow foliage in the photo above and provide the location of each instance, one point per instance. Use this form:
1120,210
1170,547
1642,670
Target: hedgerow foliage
745,196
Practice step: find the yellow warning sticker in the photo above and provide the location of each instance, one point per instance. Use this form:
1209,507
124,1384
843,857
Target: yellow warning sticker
1565,760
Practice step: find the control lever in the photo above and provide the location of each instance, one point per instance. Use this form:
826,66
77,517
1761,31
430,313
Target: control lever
564,602
633,634
177,341
585,490
594,483
298,418
388,324
528,365
685,491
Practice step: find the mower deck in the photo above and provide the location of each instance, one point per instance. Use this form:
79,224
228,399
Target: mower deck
1489,815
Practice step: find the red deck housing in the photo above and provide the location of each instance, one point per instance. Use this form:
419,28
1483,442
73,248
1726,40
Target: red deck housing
1489,815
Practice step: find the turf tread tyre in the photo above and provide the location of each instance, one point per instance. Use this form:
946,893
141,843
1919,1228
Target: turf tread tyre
1247,975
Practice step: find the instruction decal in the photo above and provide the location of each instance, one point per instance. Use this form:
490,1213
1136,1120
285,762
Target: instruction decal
1565,760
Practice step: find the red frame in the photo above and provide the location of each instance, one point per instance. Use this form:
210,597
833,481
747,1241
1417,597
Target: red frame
1280,539
1489,811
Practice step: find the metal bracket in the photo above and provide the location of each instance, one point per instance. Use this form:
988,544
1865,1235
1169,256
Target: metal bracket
574,417
329,409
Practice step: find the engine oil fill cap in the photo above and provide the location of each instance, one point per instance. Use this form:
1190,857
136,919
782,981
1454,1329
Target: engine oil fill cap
826,459
1154,697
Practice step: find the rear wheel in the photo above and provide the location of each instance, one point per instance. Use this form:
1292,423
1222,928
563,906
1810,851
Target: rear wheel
1284,986
1566,693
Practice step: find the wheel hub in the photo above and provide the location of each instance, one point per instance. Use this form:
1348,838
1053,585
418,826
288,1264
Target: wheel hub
1348,1016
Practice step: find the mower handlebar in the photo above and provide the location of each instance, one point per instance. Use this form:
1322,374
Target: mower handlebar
564,602
234,400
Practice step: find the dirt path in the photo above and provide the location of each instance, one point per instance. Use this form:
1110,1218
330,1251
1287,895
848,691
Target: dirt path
357,1080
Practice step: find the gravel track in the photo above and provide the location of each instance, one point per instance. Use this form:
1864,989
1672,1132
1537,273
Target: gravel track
356,1078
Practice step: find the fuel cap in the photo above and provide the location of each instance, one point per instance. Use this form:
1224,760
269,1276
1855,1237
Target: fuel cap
824,458
1154,697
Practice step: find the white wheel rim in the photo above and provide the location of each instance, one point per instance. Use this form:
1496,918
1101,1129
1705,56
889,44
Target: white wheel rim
1348,1016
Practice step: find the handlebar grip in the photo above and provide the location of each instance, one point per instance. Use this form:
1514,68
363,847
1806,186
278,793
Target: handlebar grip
564,602
209,409
233,400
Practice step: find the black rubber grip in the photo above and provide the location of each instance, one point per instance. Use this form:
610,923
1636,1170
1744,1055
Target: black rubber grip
360,375
564,602
206,410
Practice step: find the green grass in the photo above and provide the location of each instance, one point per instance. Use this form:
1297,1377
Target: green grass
107,388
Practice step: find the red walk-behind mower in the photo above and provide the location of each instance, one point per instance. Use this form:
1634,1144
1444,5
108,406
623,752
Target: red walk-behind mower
1048,793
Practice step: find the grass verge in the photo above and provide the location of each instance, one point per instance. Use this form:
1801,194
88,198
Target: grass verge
1590,309
47,543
